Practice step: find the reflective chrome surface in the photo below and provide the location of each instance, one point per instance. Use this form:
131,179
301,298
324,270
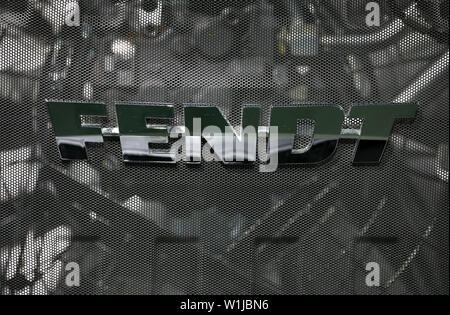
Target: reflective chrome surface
74,148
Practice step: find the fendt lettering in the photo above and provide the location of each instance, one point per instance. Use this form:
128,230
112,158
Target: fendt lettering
138,133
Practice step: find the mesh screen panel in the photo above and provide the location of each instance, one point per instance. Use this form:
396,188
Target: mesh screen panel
214,228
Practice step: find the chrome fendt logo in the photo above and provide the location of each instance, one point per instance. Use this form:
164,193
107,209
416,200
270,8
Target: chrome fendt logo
143,129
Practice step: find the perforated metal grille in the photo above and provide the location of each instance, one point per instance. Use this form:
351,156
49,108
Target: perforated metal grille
215,229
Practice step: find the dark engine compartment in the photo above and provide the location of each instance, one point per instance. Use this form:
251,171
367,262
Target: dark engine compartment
215,229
